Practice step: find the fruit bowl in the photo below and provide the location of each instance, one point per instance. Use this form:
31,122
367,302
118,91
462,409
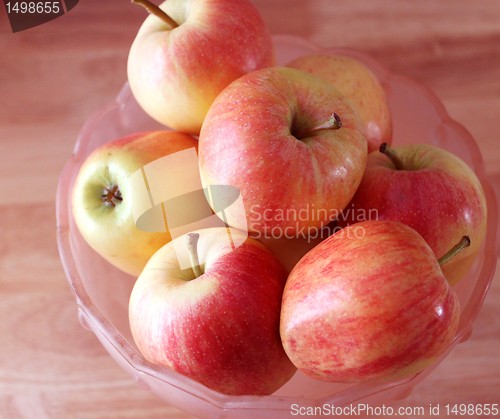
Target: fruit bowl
102,291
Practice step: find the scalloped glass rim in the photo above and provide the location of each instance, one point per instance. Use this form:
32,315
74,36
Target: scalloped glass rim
113,121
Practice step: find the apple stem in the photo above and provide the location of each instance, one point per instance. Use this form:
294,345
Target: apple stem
455,250
155,10
111,196
192,243
393,156
334,122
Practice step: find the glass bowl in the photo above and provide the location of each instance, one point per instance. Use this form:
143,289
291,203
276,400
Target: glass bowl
101,291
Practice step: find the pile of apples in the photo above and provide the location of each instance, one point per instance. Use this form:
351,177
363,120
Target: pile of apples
307,146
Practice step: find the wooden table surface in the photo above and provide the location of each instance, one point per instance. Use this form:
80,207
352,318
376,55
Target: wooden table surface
53,76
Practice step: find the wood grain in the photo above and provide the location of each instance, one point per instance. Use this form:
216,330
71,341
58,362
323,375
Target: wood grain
53,76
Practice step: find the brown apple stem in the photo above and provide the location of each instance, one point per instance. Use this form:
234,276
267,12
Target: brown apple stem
155,10
111,196
455,250
334,123
393,156
192,244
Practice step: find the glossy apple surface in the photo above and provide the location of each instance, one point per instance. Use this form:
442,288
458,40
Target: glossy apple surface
262,135
101,197
220,328
434,192
356,81
368,303
175,73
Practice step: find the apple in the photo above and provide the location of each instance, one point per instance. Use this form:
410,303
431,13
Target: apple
357,82
218,322
187,51
370,303
429,189
102,197
291,143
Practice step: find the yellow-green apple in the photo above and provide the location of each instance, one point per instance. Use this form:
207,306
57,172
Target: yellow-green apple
291,143
187,51
429,189
102,197
358,83
368,303
217,323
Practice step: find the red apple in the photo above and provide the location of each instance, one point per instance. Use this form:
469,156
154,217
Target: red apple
291,143
356,81
187,51
429,189
217,323
368,303
102,197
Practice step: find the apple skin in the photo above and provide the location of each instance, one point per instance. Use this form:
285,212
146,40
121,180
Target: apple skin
175,74
111,231
250,140
438,195
369,303
221,328
356,81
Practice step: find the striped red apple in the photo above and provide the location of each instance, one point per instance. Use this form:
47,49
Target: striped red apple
429,189
217,323
187,51
291,143
358,83
368,303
